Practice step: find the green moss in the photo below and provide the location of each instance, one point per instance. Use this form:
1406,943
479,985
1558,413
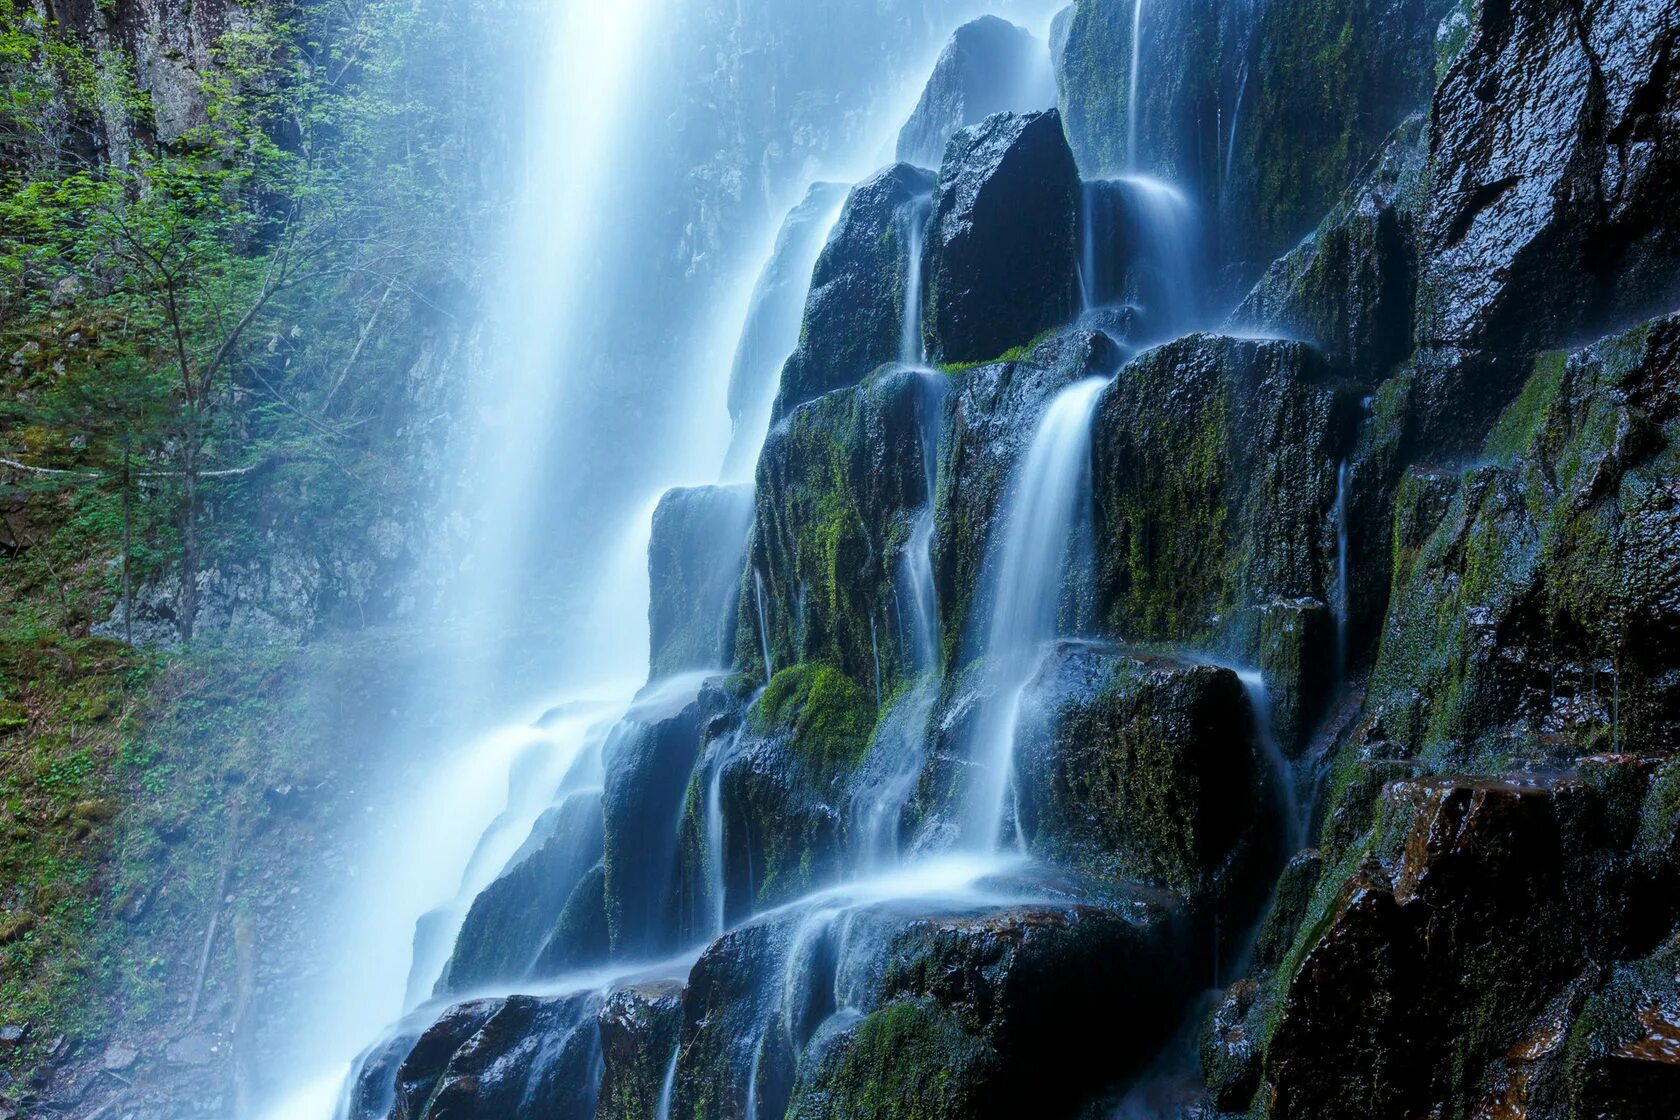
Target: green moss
828,717
1518,429
907,1061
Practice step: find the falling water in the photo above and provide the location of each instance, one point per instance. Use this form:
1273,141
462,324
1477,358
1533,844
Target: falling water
1344,481
1141,245
668,1086
1260,700
1132,152
1049,502
916,571
763,623
912,349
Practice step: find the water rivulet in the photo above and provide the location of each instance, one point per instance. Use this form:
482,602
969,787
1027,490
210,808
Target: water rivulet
1092,634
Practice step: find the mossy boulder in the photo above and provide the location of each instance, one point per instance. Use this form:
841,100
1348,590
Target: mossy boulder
1216,474
1149,770
1321,84
695,558
1540,617
639,1028
854,314
839,486
989,66
910,1060
1003,249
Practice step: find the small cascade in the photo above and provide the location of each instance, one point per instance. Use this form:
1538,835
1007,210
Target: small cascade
1049,504
889,777
916,586
668,1086
1340,595
1133,87
912,347
763,623
1260,699
1141,248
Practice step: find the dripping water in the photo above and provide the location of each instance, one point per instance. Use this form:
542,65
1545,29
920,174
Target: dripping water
763,623
1265,729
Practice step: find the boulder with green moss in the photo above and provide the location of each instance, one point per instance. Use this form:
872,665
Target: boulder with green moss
839,486
1150,770
639,1028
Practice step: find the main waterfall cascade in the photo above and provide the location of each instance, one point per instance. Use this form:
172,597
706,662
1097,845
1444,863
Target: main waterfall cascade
777,990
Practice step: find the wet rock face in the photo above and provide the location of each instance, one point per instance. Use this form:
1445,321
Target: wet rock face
1215,465
1003,250
1435,972
1536,594
494,1059
1148,770
989,66
1553,169
639,1034
516,926
648,761
854,313
694,568
838,485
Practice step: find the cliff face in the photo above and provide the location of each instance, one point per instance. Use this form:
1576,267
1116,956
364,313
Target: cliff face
1351,693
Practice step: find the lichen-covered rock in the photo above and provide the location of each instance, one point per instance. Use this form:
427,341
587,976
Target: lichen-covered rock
639,1032
1554,157
1215,468
1003,248
839,484
854,315
1540,618
989,66
1147,770
694,568
1349,287
910,1060
994,409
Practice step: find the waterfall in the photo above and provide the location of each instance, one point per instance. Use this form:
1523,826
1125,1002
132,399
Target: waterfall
912,349
1265,729
1048,504
668,1086
1141,245
763,623
916,584
1132,86
1340,595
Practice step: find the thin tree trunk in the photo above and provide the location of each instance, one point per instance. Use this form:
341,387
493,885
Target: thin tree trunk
189,546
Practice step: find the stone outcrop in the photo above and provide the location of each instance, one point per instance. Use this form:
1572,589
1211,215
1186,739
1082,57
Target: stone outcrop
989,66
854,314
1002,251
